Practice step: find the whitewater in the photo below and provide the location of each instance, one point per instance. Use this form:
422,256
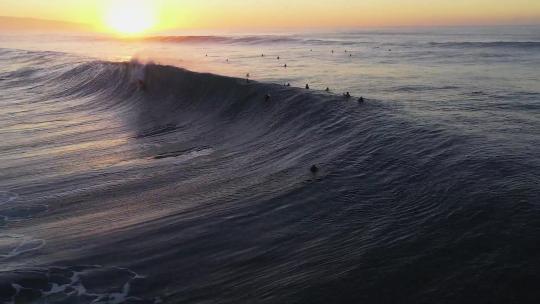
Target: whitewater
196,186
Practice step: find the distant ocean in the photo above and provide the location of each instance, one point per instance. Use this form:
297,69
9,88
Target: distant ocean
176,169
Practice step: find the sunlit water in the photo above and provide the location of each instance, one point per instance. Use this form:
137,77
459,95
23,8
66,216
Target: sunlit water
196,188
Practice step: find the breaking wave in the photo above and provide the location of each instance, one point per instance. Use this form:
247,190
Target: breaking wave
201,184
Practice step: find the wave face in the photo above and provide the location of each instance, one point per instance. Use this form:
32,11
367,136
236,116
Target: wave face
194,188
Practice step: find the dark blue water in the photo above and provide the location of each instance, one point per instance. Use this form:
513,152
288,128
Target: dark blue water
194,188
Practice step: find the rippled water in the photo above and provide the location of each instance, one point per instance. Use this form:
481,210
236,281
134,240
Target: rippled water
195,188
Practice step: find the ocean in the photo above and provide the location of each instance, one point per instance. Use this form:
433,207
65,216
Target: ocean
176,168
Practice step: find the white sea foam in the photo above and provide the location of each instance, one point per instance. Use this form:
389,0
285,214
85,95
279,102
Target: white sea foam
15,245
74,288
7,197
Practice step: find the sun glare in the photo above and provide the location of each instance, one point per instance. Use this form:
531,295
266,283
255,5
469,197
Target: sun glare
130,17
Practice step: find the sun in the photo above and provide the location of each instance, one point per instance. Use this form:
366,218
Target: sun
132,17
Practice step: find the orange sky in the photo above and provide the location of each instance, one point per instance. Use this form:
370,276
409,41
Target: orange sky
230,14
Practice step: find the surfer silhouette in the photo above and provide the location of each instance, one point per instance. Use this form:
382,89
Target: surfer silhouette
141,85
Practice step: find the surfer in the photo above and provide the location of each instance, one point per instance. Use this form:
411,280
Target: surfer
285,65
361,99
327,89
278,58
314,169
347,95
307,86
267,97
141,85
288,84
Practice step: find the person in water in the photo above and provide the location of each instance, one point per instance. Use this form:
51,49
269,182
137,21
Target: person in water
267,97
141,85
278,58
327,89
285,65
307,86
247,77
361,99
288,84
347,95
314,169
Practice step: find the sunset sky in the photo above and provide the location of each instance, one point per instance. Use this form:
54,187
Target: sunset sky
194,14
